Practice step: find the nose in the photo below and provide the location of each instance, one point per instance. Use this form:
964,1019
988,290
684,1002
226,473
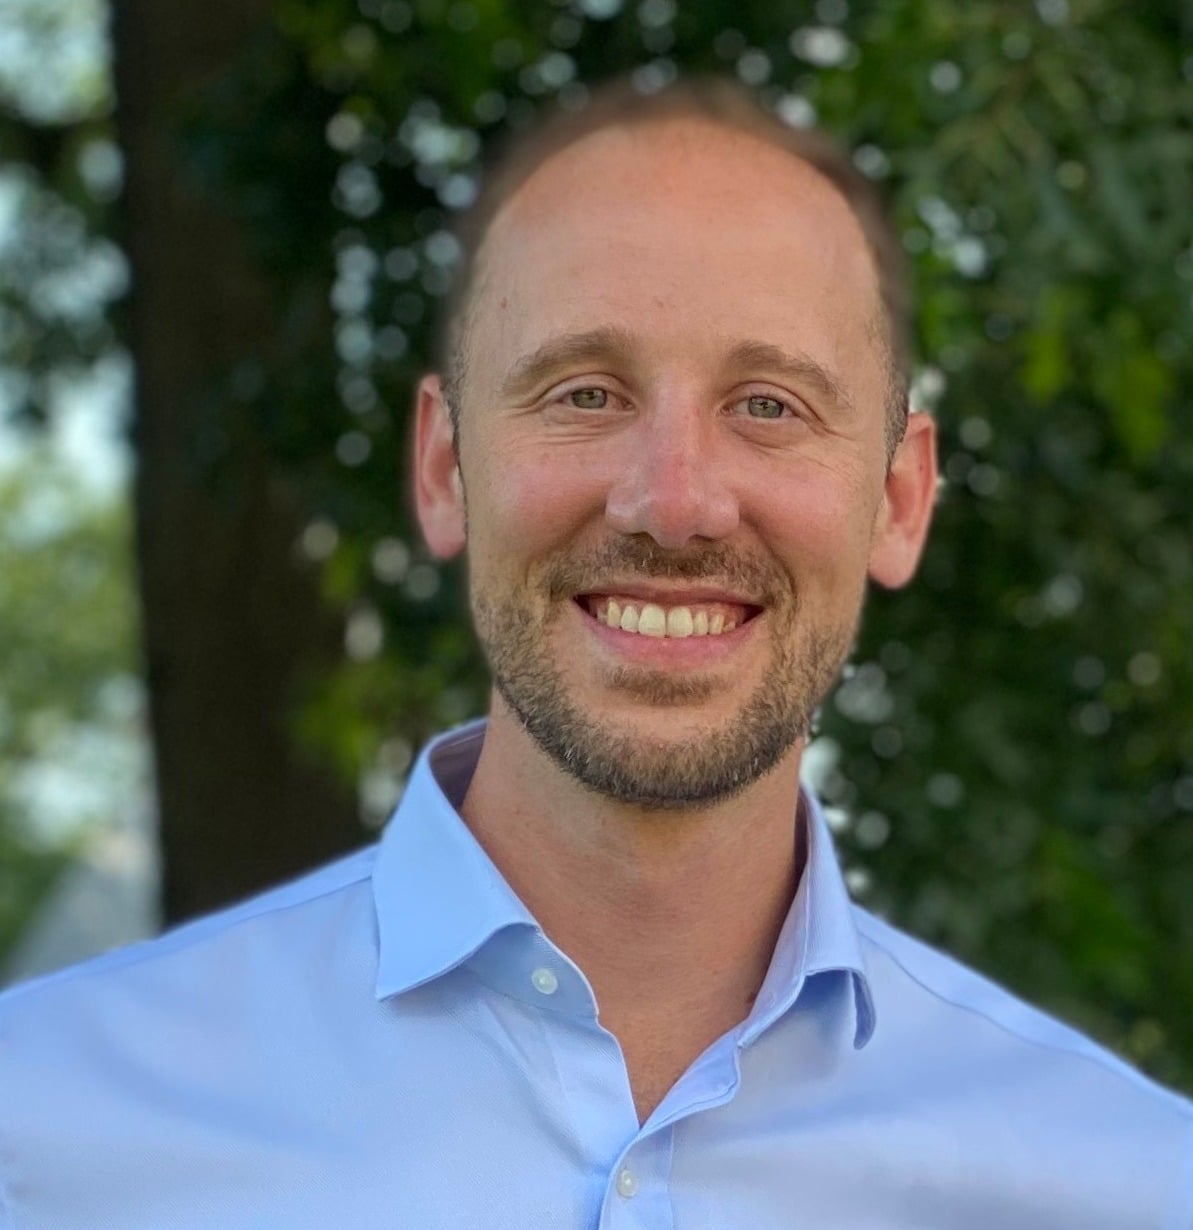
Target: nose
672,483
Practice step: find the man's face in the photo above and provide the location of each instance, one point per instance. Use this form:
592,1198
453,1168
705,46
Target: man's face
672,457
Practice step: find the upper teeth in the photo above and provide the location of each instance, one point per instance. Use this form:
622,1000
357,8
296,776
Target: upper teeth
650,619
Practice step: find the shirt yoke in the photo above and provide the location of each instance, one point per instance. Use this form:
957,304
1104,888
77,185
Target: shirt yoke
948,981
334,877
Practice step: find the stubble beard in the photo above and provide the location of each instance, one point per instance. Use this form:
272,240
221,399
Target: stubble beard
702,768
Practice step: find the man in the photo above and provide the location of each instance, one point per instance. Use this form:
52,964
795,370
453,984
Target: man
602,969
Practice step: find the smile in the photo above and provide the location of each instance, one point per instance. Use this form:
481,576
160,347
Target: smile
672,621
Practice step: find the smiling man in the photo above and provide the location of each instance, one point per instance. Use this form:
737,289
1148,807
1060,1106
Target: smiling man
602,969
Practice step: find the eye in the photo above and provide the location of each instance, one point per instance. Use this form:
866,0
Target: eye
759,406
588,399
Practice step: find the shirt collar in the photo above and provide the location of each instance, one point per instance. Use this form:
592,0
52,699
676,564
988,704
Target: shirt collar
440,898
819,935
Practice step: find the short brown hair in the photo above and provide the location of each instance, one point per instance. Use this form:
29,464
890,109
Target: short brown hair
722,101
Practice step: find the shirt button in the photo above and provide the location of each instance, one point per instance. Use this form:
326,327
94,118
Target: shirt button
544,980
627,1183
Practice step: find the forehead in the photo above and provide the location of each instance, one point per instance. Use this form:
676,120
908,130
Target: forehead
669,146
708,223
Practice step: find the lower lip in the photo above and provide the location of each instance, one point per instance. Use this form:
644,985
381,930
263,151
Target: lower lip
676,651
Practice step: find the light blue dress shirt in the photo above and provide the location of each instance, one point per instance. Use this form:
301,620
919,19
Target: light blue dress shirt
393,1042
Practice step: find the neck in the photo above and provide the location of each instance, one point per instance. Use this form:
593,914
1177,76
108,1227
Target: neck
687,903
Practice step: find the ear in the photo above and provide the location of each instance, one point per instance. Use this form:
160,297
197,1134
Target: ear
438,490
901,525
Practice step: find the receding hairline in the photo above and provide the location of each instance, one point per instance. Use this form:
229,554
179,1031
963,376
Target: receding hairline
697,128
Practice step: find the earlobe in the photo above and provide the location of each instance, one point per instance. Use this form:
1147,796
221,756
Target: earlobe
901,526
438,488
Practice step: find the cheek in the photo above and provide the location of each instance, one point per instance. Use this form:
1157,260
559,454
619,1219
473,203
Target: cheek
530,502
820,520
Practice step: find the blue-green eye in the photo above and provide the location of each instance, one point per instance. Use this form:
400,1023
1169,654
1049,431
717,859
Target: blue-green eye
759,407
589,399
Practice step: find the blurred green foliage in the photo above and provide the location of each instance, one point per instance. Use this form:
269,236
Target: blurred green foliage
60,271
1011,753
67,661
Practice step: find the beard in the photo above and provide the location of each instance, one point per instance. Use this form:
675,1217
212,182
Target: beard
707,765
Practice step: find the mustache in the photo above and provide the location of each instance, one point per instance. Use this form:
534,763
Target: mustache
754,575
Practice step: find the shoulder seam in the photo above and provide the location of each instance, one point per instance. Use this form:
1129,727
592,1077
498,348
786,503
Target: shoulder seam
1088,1050
342,873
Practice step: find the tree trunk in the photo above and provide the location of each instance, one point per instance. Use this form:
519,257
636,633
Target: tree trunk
232,622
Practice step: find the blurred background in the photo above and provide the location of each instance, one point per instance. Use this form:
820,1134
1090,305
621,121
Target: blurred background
224,228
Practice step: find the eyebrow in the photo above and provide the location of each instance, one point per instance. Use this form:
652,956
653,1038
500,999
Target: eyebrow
609,343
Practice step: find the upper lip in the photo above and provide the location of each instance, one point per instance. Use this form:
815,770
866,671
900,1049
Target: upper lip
664,596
